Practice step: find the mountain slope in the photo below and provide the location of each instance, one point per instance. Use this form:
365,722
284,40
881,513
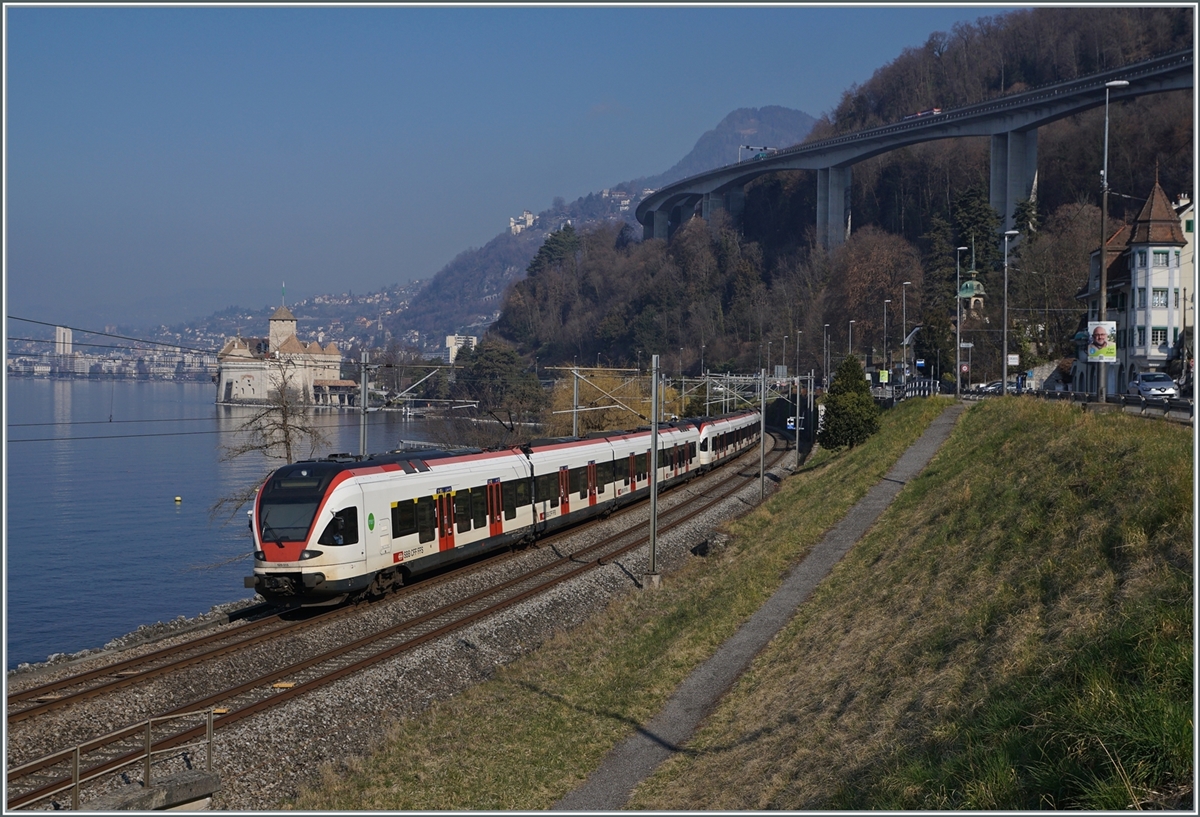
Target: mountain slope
772,126
465,296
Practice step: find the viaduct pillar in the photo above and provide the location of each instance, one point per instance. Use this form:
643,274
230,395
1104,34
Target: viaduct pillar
732,202
1013,172
656,227
735,200
833,205
711,204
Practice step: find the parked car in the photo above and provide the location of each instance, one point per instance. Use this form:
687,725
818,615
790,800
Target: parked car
1153,384
995,387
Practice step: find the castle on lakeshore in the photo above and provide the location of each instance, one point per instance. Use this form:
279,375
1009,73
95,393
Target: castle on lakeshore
250,370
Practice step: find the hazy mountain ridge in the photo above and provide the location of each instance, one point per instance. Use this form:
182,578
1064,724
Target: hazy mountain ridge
465,296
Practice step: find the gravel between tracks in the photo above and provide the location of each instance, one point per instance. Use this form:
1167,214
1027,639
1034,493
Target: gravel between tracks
265,760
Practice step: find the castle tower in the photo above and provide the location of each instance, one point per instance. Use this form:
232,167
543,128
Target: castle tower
283,326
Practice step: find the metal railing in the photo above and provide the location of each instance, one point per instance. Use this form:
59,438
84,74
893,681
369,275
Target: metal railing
73,756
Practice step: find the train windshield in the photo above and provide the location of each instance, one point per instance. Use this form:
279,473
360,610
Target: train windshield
290,499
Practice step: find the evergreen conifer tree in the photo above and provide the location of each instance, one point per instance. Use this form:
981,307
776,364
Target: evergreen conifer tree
851,415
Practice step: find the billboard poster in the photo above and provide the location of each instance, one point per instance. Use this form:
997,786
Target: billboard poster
1102,342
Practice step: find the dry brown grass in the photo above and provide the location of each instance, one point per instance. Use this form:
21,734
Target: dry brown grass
948,597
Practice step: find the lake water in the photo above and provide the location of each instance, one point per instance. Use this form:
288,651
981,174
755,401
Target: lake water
95,543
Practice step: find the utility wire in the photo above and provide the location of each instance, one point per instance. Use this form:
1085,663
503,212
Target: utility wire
106,422
92,345
110,335
354,424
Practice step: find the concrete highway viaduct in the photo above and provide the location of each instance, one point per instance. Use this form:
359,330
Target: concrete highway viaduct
1011,122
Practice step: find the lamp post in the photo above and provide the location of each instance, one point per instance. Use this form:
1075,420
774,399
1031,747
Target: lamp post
682,389
1102,386
958,322
1004,352
800,332
825,356
768,358
886,301
904,330
850,341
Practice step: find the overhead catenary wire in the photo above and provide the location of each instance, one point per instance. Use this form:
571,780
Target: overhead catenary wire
89,345
111,335
238,430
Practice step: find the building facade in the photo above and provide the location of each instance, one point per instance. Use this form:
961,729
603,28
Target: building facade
456,342
1150,282
249,370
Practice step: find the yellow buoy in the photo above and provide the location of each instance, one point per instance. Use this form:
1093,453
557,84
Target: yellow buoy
179,499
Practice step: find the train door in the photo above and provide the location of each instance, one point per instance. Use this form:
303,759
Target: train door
564,490
495,508
444,502
632,472
591,478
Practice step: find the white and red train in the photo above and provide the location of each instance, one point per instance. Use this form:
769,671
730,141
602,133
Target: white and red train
329,529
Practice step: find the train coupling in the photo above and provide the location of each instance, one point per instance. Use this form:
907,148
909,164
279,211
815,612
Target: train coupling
282,586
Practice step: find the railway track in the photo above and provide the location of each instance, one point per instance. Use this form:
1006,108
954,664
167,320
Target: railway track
32,780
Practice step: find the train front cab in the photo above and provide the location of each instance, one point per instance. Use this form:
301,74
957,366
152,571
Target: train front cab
293,560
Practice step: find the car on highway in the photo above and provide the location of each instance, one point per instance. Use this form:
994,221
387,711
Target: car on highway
1152,384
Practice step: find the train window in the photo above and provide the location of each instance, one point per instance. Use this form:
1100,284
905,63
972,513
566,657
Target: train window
509,492
604,474
703,444
425,522
692,451
643,465
404,518
579,482
462,510
342,529
479,507
545,487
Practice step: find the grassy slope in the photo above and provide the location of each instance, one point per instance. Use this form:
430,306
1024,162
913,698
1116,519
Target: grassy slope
1016,633
978,588
526,738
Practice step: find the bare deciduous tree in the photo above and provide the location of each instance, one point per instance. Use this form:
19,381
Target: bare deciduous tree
280,431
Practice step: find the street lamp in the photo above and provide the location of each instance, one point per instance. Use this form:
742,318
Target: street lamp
768,358
850,340
1004,352
825,356
1102,386
800,332
958,322
904,330
886,301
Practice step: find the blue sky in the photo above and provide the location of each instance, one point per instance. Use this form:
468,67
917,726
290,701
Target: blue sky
163,163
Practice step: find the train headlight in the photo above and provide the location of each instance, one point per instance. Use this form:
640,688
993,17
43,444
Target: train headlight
310,554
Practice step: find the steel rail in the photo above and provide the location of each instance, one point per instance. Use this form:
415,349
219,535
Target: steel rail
127,673
295,690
